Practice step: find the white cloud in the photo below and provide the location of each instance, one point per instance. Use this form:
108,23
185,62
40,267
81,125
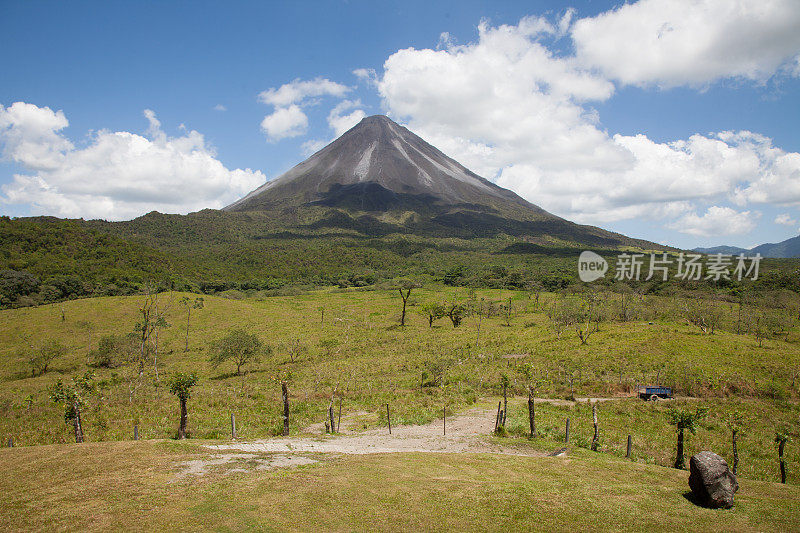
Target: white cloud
778,181
288,119
717,221
690,42
299,90
220,107
30,135
341,121
513,111
285,122
370,77
785,220
119,175
565,22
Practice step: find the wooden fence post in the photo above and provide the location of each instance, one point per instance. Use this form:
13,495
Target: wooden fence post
630,445
388,419
444,420
505,404
497,418
596,436
10,442
531,413
331,417
233,425
136,432
339,422
285,395
566,436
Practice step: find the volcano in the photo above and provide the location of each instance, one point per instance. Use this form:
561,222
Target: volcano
380,178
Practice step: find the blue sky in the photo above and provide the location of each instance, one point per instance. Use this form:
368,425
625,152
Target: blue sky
670,121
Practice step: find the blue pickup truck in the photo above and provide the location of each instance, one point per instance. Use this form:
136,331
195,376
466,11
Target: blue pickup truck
655,393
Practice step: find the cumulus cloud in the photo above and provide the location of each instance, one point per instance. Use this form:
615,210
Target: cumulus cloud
778,181
785,219
370,77
299,90
717,221
118,175
288,119
30,135
220,107
285,122
340,121
512,110
670,43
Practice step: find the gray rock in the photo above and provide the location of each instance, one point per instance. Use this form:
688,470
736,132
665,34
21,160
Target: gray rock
711,481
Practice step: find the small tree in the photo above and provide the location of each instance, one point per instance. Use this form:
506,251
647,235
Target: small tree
586,316
180,386
534,289
190,304
683,420
704,314
432,311
507,312
456,313
238,346
48,352
405,287
73,398
151,318
560,315
735,421
295,349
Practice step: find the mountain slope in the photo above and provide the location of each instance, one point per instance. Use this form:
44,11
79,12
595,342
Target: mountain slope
384,166
782,250
788,248
380,178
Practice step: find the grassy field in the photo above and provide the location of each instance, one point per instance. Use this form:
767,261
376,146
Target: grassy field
355,350
127,485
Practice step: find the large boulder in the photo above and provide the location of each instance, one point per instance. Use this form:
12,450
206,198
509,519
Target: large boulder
711,481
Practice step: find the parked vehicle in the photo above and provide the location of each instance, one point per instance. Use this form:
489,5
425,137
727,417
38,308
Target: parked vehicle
655,393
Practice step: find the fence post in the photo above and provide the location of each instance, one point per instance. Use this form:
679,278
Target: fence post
388,419
444,420
285,395
10,442
136,432
233,426
531,413
596,436
566,436
497,418
339,422
505,404
630,443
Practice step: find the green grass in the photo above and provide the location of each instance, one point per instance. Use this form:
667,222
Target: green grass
125,485
363,355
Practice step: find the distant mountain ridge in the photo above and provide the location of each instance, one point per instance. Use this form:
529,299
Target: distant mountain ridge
784,249
727,250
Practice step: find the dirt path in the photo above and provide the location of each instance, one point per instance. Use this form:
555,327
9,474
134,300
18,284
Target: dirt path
467,432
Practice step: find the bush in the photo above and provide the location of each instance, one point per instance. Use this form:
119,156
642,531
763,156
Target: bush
112,351
48,352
